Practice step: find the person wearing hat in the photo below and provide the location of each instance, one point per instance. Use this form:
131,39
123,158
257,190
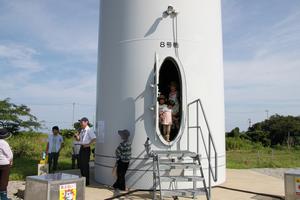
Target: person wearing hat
6,161
123,155
86,137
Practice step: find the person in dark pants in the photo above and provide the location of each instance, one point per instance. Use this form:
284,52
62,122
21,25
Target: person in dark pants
75,154
85,138
54,145
123,155
6,161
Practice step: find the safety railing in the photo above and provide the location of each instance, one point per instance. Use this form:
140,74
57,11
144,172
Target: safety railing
209,145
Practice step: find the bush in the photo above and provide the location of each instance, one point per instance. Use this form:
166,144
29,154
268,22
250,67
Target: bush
236,143
67,148
278,147
67,133
27,145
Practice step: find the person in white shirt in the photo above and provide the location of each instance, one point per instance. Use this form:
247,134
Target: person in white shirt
85,138
6,161
54,145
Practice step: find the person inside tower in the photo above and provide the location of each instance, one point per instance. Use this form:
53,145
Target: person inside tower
162,106
174,100
166,121
173,94
175,114
123,155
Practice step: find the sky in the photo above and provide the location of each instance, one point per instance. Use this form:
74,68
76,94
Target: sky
48,59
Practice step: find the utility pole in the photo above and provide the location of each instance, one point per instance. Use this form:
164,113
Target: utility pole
94,121
249,120
267,111
73,114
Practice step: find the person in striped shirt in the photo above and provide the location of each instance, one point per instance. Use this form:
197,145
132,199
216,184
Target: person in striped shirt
123,155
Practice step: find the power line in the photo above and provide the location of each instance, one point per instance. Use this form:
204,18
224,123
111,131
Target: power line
81,104
56,122
55,104
246,112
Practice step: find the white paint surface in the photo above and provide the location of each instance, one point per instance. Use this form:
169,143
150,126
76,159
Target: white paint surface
129,36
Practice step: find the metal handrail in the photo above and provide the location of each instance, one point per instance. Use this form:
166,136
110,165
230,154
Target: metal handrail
211,142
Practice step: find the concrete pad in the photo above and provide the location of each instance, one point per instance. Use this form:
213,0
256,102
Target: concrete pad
251,181
254,181
247,180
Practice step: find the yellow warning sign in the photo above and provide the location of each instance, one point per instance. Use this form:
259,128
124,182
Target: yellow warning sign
297,185
67,192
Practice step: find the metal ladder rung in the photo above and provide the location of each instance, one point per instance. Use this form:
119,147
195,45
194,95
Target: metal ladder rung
183,193
194,127
175,154
170,165
181,178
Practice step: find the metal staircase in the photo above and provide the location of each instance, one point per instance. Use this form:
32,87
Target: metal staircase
170,168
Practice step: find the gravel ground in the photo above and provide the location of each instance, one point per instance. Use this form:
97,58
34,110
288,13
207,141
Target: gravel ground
275,172
13,187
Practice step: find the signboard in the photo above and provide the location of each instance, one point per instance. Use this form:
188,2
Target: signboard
43,169
67,192
297,185
100,131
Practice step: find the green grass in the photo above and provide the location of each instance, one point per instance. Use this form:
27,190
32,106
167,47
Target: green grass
244,154
263,158
28,149
240,154
23,167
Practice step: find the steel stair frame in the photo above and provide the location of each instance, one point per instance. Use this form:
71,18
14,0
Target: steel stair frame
211,143
209,146
173,180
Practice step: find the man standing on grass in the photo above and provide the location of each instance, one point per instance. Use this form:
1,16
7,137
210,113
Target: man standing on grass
54,145
85,138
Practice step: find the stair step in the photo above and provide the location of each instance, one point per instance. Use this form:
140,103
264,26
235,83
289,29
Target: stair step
175,153
183,192
180,178
179,165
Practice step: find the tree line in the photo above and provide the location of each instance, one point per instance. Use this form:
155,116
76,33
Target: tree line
18,118
276,130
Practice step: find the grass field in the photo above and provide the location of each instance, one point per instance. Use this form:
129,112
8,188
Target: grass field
28,149
263,158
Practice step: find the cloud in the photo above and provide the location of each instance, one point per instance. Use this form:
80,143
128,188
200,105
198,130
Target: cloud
48,55
63,27
52,90
231,15
19,56
52,100
261,61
